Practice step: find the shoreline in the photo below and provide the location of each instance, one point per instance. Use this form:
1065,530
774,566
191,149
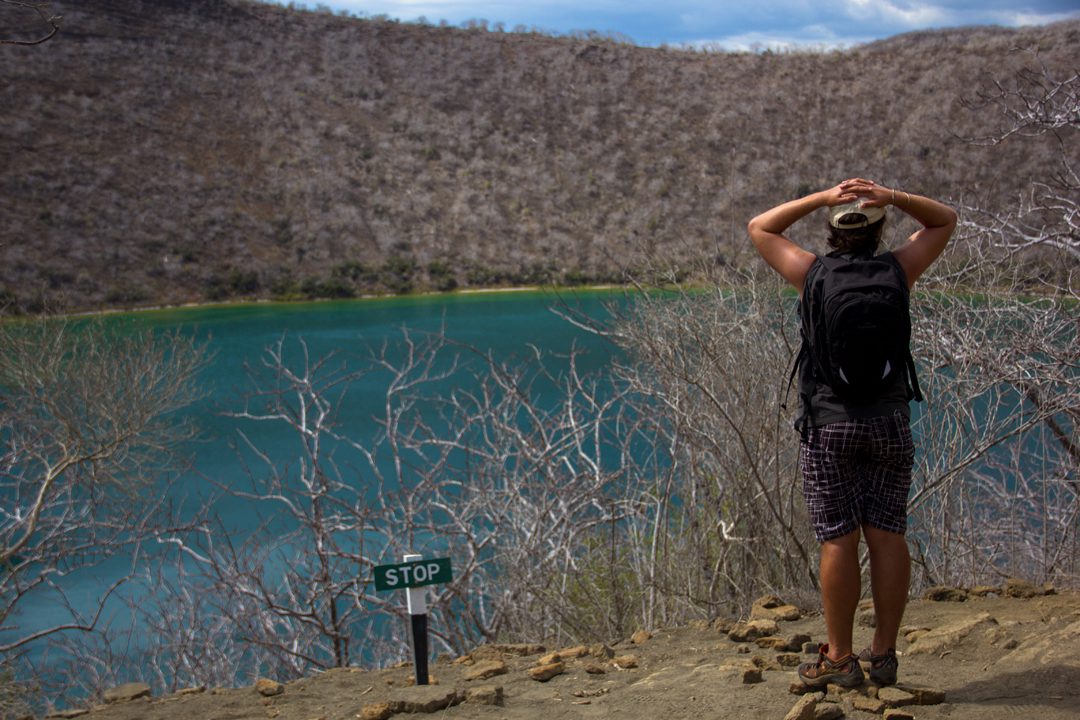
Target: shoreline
240,303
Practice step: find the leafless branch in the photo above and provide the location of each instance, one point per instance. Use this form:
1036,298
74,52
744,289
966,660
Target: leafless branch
43,11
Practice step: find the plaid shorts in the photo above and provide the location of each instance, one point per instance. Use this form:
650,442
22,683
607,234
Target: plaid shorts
857,473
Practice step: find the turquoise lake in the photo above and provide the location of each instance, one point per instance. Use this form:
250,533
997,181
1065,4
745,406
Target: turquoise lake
505,324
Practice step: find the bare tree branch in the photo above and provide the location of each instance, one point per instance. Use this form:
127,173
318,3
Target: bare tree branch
43,12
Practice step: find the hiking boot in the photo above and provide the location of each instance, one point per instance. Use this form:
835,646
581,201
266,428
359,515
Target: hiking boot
882,667
845,672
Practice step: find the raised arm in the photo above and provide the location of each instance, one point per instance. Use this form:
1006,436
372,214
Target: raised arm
925,245
767,231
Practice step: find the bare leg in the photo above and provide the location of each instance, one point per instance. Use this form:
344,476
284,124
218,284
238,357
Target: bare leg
890,577
841,586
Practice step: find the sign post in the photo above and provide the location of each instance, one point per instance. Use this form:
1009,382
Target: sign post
412,576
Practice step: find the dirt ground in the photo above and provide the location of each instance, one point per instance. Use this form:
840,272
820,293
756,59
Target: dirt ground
995,658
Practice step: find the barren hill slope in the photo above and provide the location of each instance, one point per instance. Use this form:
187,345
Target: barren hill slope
159,151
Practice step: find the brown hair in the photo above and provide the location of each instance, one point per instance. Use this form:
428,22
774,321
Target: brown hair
864,240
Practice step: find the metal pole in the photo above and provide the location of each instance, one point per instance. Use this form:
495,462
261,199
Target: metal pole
418,625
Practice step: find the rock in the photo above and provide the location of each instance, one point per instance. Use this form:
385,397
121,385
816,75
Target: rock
127,692
268,688
805,708
923,695
497,652
945,593
602,651
750,675
640,637
424,699
798,687
1016,588
192,690
768,602
937,640
898,714
484,695
574,652
1053,648
68,713
747,671
789,660
591,693
914,635
772,642
723,625
895,697
838,692
984,590
763,663
866,618
699,624
770,607
867,704
549,659
544,673
745,632
376,711
594,668
485,670
788,613
625,662
796,642
997,636
828,711
521,649
811,648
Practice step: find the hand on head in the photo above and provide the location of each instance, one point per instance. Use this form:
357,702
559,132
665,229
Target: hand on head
867,192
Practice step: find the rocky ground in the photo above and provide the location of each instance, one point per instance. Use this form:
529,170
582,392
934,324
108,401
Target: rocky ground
990,653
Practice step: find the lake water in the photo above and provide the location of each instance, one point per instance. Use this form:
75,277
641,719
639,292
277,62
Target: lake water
504,324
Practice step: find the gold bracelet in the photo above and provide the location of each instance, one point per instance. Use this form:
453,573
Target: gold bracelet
893,201
908,198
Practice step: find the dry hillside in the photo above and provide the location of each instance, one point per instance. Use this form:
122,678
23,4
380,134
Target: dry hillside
163,151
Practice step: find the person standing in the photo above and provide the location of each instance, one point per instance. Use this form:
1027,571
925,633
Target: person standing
856,451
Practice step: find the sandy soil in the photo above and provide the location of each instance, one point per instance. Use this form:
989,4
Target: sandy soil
995,659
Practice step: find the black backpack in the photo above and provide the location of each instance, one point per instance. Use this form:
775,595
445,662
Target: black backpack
856,327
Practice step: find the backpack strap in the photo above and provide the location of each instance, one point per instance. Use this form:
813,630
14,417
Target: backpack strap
912,376
913,379
802,423
804,356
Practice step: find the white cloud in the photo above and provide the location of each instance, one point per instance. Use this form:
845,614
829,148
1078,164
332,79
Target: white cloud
1019,19
811,38
889,14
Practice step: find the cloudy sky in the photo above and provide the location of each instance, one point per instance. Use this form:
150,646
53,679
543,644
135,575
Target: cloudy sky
731,24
